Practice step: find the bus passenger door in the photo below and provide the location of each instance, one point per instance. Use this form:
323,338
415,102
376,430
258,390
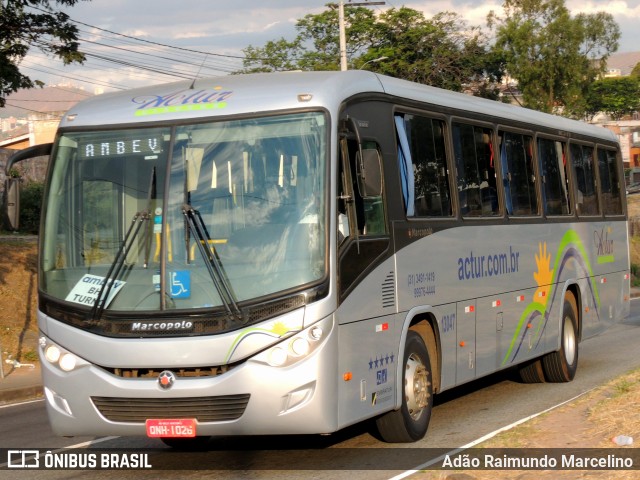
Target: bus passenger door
466,341
496,324
489,325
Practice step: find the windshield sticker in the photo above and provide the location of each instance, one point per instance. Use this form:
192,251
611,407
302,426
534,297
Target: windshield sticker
180,284
86,291
182,101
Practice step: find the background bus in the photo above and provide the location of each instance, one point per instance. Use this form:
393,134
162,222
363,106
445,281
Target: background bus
298,252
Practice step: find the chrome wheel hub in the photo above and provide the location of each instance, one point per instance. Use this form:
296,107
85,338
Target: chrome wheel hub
416,387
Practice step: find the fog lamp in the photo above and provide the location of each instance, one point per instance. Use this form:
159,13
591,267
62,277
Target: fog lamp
315,333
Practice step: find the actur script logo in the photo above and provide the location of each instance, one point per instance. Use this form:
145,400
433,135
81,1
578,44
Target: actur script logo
182,101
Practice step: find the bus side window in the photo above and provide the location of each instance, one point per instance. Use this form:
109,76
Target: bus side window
426,157
609,182
555,192
369,212
518,173
475,164
585,180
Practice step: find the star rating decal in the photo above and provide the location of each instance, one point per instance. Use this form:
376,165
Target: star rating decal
381,360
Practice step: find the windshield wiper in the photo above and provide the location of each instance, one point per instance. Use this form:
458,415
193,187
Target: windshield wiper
118,262
199,230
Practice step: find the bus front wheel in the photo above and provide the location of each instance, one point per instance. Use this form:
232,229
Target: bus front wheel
561,366
410,422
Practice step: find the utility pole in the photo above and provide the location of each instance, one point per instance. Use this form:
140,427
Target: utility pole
343,36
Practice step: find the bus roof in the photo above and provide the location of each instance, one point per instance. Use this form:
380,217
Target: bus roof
265,92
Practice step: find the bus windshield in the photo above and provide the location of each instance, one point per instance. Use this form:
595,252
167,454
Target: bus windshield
186,217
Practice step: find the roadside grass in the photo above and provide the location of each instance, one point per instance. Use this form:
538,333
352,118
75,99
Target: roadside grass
619,412
591,421
18,300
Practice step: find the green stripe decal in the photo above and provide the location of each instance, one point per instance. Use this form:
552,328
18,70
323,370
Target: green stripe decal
181,108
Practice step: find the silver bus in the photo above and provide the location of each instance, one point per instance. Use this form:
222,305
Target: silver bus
294,253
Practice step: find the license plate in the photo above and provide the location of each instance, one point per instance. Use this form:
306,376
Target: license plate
174,427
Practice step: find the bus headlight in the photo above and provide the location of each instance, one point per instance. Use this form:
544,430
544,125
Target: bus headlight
298,346
52,353
67,362
277,357
56,355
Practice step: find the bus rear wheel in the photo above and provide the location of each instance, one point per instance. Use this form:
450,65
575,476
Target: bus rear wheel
532,371
410,422
561,366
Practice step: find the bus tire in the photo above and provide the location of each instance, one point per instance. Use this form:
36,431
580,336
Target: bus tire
532,371
410,422
561,366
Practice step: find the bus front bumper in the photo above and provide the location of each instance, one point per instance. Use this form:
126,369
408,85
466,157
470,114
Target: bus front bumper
253,398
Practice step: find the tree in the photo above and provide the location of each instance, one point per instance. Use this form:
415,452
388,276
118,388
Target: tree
442,51
33,23
322,34
553,56
276,56
30,206
636,71
317,45
614,96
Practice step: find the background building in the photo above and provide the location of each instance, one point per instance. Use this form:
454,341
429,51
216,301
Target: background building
31,117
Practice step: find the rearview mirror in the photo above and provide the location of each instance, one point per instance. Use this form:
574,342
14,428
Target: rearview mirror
12,192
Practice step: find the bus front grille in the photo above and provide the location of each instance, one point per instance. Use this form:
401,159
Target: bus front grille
204,409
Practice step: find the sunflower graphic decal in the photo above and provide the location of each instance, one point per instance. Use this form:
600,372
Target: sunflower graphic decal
536,315
544,275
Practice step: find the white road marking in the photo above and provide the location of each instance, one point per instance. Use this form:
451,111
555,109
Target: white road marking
484,438
77,445
27,402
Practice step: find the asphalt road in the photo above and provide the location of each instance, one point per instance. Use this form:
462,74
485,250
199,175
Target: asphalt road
459,417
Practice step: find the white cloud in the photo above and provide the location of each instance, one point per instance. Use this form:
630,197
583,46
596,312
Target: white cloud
136,33
617,8
226,28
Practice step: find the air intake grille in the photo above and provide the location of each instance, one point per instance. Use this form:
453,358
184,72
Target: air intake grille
389,291
204,409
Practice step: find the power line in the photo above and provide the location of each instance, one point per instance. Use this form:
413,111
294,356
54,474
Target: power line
160,44
35,111
109,70
162,57
77,78
188,57
126,63
147,55
129,57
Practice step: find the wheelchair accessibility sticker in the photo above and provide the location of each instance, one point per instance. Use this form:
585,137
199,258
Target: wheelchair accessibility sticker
180,286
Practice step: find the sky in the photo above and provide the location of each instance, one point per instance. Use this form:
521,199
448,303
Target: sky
221,29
